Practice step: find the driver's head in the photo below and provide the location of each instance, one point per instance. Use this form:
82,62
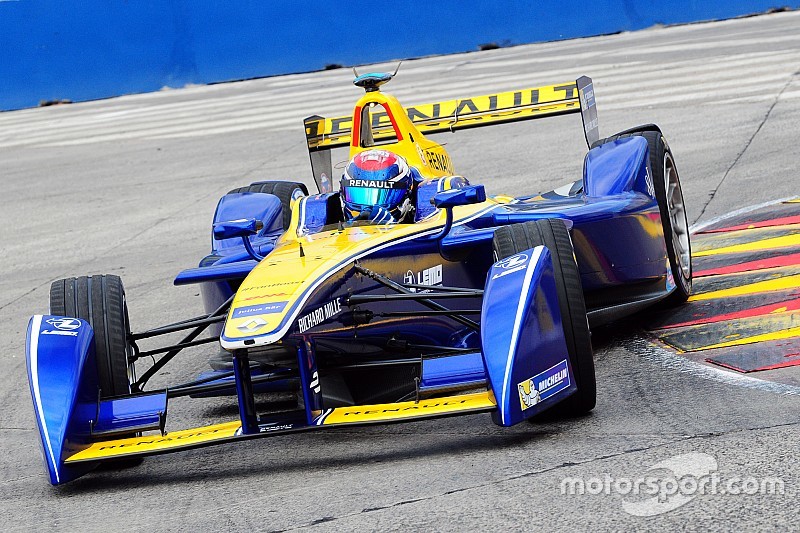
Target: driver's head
377,186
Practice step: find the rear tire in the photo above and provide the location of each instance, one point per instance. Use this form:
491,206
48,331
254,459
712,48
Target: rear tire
668,193
286,191
553,234
100,300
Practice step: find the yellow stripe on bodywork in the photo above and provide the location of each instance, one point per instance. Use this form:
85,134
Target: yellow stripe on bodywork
174,440
766,244
779,284
407,410
286,277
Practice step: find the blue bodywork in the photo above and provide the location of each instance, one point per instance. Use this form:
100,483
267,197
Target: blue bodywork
614,220
616,231
64,388
524,338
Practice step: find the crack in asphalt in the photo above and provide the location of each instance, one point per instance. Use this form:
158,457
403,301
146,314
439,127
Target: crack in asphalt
137,235
328,519
747,144
108,250
23,295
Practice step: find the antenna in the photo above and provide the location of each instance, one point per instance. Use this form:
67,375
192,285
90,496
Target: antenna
398,68
356,72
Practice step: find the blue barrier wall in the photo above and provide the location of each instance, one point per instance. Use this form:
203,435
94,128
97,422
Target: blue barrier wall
54,50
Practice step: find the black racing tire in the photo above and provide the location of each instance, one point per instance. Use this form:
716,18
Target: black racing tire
669,195
667,188
553,234
100,300
286,191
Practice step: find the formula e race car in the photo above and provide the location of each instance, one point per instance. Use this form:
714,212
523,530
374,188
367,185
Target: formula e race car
398,293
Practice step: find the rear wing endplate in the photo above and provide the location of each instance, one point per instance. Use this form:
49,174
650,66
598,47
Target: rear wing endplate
324,134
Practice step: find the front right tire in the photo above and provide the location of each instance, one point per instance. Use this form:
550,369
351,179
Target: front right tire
553,234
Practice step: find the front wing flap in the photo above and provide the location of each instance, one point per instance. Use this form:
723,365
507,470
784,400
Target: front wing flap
230,431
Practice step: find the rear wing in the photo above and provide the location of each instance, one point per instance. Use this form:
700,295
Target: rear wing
324,134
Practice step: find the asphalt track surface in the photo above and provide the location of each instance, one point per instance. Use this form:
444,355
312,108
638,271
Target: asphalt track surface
128,186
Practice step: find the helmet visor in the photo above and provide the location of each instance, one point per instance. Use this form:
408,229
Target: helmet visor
371,196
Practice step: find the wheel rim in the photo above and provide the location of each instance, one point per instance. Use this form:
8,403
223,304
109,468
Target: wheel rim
677,217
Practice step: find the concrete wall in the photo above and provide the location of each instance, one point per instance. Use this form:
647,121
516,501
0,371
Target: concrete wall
54,50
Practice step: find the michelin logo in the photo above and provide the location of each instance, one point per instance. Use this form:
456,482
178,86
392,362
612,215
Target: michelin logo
542,386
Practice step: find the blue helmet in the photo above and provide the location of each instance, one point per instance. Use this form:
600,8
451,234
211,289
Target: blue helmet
377,186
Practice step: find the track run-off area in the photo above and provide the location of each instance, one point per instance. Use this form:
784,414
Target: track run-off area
128,186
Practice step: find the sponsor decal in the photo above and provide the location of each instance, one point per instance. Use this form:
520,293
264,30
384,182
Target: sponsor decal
514,261
479,108
65,324
648,179
324,184
260,296
188,435
429,277
670,278
374,184
438,161
544,385
259,287
251,325
511,264
276,427
66,327
59,332
587,96
416,407
260,309
314,385
320,315
379,156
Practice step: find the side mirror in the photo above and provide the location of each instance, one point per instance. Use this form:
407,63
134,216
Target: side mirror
447,200
471,194
243,227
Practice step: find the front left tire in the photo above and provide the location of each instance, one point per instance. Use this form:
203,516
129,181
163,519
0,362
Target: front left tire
100,300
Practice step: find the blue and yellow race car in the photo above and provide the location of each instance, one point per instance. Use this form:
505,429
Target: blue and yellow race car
399,291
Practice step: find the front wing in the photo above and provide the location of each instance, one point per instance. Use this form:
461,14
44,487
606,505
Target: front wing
522,368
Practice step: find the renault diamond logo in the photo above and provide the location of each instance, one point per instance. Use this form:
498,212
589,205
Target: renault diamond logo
252,325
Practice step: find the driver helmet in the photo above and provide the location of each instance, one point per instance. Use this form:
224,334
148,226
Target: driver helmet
377,186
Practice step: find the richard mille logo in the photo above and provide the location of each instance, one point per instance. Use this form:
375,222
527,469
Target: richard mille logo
251,325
